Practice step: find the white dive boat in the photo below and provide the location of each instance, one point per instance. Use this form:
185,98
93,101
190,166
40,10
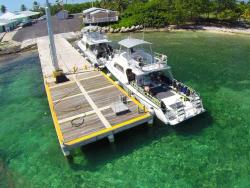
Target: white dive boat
147,76
95,46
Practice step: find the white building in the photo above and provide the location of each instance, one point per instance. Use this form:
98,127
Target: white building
98,15
12,19
7,25
63,14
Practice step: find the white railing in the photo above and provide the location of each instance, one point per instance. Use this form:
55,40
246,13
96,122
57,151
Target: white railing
100,20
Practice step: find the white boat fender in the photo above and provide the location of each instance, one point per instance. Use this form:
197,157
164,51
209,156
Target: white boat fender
151,111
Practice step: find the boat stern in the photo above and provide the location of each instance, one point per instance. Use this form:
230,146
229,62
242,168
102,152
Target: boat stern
179,108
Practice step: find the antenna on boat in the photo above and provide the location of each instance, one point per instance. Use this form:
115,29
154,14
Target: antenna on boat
58,73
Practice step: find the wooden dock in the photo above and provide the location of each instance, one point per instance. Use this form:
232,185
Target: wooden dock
81,108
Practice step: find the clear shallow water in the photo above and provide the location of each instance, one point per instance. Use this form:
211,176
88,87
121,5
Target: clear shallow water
212,150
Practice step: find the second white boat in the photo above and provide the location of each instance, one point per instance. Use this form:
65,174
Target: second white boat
147,76
95,46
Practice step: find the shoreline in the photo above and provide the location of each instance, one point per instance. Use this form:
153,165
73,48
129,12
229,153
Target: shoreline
30,44
13,56
213,29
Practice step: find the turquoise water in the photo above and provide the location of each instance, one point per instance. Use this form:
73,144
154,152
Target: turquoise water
212,150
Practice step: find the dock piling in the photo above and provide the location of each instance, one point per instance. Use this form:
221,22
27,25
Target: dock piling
111,138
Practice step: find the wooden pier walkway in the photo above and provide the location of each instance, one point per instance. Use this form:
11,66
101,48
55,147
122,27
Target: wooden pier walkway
82,107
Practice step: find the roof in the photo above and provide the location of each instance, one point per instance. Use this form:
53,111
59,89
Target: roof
8,16
16,15
20,16
130,43
28,13
4,22
95,9
91,10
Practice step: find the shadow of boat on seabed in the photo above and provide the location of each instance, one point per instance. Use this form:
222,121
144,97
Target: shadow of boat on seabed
102,152
195,125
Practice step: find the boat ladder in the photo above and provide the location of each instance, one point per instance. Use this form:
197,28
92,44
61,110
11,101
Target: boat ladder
197,103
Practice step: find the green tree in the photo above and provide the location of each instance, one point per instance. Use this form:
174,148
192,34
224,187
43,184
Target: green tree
35,6
23,7
35,3
206,7
158,13
3,9
246,13
57,2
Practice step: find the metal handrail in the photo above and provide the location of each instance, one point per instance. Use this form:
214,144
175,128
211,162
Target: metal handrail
193,94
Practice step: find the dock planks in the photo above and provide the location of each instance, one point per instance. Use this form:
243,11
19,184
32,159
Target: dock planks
81,107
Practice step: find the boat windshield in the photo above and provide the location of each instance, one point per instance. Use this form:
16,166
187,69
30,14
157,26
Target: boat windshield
141,56
101,50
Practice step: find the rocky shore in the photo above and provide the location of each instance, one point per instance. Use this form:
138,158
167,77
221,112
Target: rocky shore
122,29
11,46
236,30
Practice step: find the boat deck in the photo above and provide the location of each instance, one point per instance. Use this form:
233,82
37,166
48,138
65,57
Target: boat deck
81,107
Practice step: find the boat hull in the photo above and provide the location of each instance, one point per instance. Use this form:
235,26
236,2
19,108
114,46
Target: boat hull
152,107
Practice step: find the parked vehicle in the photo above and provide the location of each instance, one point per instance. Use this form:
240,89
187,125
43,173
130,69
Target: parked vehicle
26,24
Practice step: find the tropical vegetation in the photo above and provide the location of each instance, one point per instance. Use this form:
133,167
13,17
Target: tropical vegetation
3,9
23,7
159,13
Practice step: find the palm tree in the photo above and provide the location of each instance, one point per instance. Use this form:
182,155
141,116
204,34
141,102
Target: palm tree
3,9
23,7
35,5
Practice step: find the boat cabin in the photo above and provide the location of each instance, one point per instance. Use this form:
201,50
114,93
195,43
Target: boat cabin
96,42
142,67
139,59
139,55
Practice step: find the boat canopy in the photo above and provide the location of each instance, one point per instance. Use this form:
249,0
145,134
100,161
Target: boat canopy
93,42
130,43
